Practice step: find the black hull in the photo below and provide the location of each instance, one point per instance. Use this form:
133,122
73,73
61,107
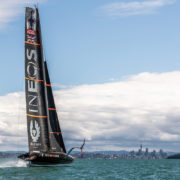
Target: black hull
47,159
176,156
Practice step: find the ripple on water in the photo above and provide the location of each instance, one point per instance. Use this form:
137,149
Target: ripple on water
95,169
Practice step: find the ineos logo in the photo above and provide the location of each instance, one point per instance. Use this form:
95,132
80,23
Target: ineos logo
34,130
32,85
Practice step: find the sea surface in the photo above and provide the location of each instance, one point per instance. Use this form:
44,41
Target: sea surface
95,169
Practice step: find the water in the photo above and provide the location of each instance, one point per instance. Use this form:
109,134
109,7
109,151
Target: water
94,169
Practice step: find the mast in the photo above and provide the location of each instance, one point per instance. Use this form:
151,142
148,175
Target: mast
37,125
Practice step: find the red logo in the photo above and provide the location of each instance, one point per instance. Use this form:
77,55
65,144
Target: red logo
31,32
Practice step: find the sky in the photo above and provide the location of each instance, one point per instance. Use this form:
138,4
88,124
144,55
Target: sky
115,69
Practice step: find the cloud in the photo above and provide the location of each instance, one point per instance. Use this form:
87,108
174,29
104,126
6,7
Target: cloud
121,9
11,9
111,116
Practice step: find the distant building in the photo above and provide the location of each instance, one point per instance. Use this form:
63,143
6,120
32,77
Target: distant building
140,152
146,152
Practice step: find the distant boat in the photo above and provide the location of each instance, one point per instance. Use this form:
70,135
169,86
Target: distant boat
46,145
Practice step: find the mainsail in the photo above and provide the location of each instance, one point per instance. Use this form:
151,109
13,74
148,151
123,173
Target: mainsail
44,134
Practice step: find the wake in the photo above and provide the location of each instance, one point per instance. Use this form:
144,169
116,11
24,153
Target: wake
12,163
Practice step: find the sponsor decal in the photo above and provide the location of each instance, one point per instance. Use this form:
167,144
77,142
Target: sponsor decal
31,27
35,144
31,20
31,39
34,130
31,32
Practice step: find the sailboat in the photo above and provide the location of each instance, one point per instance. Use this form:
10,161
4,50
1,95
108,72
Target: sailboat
46,145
